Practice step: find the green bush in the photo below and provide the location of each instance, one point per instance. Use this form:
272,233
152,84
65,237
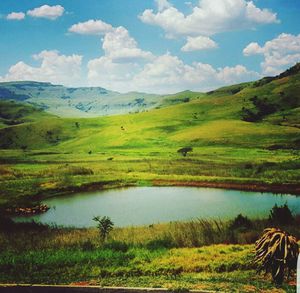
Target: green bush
281,215
241,223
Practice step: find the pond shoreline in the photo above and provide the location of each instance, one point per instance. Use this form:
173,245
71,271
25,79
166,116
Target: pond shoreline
283,188
293,189
146,205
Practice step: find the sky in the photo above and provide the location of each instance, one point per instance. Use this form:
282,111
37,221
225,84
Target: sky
155,46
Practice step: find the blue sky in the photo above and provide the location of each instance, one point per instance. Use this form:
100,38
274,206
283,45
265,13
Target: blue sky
154,46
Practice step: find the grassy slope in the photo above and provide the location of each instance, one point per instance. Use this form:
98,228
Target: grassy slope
13,113
142,147
214,119
212,267
175,255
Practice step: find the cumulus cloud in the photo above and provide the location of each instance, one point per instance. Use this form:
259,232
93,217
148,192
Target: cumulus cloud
198,43
54,67
257,15
122,60
46,11
15,16
279,53
169,73
91,27
252,49
164,74
208,17
108,74
163,4
126,67
118,45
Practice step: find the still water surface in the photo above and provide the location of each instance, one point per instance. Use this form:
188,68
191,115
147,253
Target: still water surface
147,205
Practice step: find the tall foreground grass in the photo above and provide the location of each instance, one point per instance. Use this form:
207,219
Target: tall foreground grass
185,254
194,233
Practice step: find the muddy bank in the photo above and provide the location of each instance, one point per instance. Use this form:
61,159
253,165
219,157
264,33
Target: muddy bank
23,211
260,187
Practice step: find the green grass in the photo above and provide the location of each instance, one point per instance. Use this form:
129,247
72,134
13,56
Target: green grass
43,155
32,175
175,255
143,147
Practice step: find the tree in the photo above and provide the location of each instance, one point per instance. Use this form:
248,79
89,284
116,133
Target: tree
276,252
185,150
105,225
281,215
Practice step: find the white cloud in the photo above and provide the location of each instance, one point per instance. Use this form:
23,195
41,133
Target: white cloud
252,49
54,67
46,11
91,27
119,46
111,75
209,17
163,74
15,16
236,74
125,67
122,60
162,4
279,53
170,74
258,15
198,43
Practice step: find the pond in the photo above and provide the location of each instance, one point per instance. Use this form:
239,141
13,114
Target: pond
149,205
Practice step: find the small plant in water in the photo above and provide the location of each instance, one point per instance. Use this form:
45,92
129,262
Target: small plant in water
105,225
276,252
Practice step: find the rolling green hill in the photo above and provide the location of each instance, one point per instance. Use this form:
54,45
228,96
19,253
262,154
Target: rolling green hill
14,113
246,134
260,114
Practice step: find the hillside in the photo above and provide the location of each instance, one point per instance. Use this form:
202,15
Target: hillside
259,113
85,101
244,136
14,113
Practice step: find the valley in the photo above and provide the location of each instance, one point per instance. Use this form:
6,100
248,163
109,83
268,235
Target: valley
44,154
241,137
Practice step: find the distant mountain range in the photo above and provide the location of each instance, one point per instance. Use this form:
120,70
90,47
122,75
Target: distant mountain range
86,101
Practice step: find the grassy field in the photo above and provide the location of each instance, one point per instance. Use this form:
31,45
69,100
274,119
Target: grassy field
43,154
179,255
245,136
27,176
